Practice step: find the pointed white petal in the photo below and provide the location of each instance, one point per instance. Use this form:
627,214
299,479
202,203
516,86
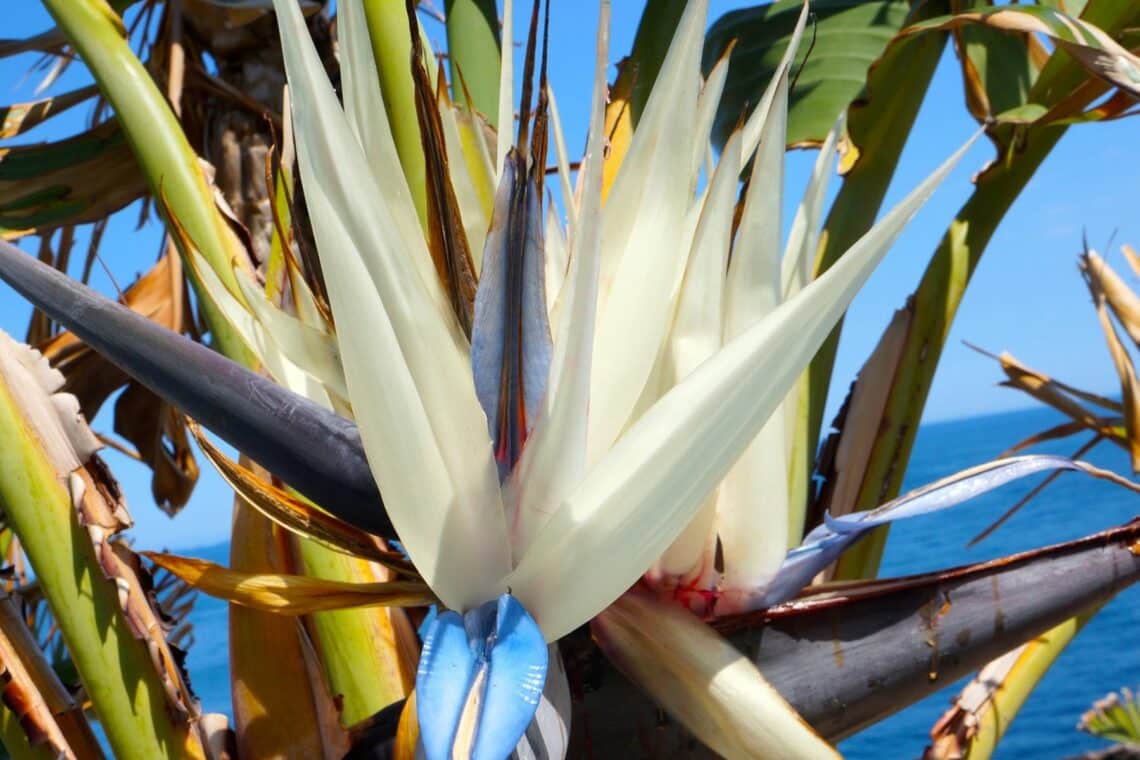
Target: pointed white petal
553,461
643,249
643,493
703,681
755,122
706,111
406,364
752,506
698,327
799,255
313,351
557,260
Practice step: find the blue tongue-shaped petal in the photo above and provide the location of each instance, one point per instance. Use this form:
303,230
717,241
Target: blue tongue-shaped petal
510,337
479,681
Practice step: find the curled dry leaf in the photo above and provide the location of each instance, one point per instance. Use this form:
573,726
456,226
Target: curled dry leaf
1115,293
295,515
1062,397
290,594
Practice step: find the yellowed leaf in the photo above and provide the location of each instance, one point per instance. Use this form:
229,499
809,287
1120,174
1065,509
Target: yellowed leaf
290,594
282,704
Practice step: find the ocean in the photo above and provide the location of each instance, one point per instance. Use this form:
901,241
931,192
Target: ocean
1103,658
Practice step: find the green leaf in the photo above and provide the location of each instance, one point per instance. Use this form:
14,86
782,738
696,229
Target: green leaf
849,35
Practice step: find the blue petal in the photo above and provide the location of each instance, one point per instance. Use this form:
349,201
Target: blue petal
518,661
480,681
443,681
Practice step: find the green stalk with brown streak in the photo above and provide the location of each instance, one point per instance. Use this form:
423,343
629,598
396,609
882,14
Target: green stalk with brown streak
944,283
473,51
116,670
159,144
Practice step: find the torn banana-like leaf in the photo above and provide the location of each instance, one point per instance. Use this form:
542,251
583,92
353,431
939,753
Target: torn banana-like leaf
1095,50
290,594
312,449
703,681
295,515
826,542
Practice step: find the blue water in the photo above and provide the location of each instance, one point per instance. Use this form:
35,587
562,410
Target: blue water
1103,657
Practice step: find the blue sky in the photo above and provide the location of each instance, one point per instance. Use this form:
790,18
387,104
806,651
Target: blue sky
1025,297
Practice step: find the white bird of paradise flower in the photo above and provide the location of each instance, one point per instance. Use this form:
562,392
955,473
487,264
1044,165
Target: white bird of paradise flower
666,360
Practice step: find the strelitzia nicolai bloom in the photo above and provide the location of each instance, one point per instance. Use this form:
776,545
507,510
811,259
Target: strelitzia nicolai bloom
662,371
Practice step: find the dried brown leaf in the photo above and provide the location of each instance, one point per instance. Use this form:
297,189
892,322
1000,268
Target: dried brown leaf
1129,387
1120,298
447,239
